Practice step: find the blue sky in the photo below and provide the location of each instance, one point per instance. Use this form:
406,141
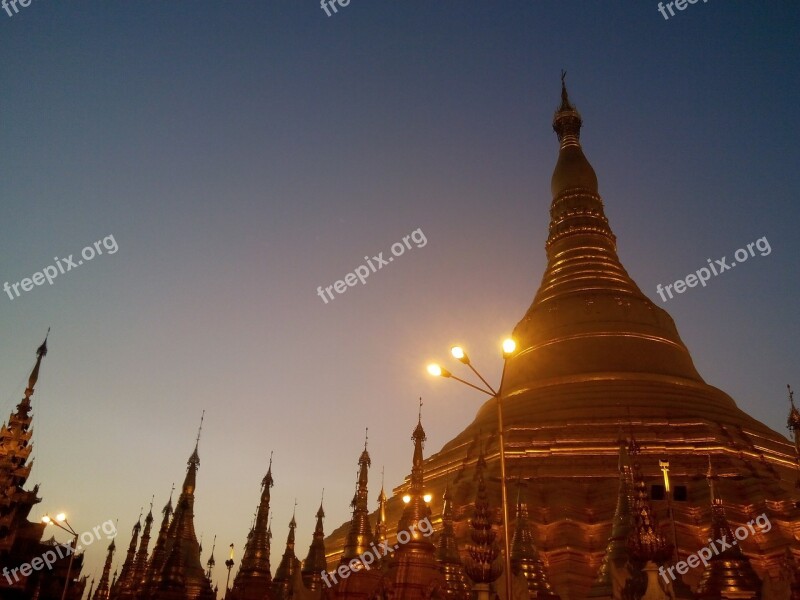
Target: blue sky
244,153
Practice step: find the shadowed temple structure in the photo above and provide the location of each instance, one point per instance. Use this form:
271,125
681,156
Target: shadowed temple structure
634,479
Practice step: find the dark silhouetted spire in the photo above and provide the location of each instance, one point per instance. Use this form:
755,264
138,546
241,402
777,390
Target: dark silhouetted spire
140,564
315,562
456,584
125,582
182,572
104,586
156,561
254,579
282,585
359,536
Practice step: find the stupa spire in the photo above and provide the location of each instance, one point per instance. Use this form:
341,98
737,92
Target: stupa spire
315,562
617,554
359,536
254,578
182,571
417,507
104,585
380,525
125,581
456,584
729,572
140,564
414,560
586,294
793,424
525,558
159,555
283,584
15,449
482,564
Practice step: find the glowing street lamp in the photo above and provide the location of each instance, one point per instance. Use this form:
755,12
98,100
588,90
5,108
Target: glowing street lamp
229,564
61,522
509,347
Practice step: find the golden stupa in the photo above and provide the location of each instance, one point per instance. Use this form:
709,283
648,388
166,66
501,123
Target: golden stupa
598,363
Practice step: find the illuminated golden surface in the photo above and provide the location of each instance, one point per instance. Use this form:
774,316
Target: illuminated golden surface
597,360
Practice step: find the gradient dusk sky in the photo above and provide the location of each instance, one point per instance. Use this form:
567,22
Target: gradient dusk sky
244,153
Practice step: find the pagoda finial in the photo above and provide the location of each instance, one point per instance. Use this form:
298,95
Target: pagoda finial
567,121
268,482
195,456
41,352
794,415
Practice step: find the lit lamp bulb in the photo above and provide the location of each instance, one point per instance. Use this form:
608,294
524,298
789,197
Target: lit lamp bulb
427,497
406,499
46,519
509,345
437,371
61,517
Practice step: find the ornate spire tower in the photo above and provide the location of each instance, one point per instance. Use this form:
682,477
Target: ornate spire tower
729,573
254,580
140,563
124,584
15,450
315,562
482,564
104,586
456,584
525,558
182,576
414,571
380,524
155,564
613,570
283,584
359,537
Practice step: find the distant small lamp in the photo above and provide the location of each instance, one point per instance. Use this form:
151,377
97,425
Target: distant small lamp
406,499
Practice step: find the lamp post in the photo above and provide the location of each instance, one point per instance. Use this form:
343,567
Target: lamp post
664,466
509,346
61,522
229,564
